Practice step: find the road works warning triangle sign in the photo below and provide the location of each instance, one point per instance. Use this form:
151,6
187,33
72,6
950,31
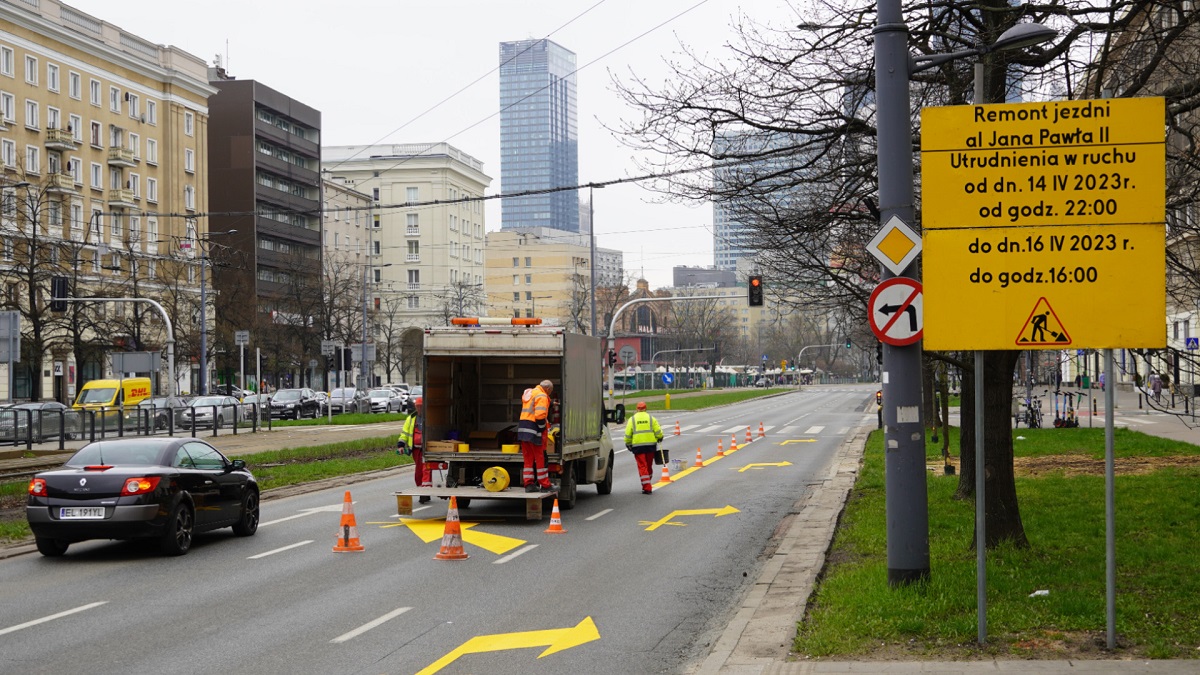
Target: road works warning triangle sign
1043,328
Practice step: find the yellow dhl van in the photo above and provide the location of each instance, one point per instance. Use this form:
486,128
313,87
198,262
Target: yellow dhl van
113,393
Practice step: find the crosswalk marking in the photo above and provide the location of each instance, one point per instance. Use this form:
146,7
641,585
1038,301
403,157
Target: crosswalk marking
813,431
733,430
688,427
844,430
709,430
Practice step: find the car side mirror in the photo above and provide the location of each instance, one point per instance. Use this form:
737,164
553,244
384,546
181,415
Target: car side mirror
237,465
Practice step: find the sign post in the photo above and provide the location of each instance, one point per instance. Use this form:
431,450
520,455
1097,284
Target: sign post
242,338
10,341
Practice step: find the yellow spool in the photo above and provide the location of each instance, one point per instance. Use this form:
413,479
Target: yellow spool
510,448
463,447
495,479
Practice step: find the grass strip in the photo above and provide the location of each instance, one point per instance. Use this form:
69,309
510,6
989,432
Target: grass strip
348,418
708,401
854,614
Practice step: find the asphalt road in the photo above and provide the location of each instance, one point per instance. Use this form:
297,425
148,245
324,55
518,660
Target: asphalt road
636,585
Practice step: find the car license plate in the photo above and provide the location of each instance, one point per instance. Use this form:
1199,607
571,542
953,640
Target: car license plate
81,513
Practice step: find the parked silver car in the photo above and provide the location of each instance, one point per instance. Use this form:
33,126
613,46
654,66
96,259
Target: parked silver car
48,419
349,399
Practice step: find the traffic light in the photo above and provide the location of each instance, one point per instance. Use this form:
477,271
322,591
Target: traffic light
347,359
783,364
612,357
879,353
755,290
59,291
879,397
849,343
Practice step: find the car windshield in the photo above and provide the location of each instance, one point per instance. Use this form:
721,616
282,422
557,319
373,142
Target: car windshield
288,395
155,403
381,393
115,453
100,395
208,401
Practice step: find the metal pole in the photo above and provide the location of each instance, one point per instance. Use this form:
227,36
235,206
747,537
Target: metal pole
258,371
242,364
592,236
203,380
904,431
362,376
980,504
1110,513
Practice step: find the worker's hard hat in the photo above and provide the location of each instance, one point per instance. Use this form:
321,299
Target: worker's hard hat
641,405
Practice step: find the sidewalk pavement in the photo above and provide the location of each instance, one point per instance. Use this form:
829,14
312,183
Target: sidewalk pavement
759,637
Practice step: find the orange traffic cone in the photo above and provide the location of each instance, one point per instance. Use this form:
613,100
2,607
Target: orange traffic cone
555,521
699,458
452,546
748,436
720,449
762,433
676,427
666,475
733,443
347,538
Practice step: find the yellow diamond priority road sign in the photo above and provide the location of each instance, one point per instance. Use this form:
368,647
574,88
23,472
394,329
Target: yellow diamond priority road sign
895,245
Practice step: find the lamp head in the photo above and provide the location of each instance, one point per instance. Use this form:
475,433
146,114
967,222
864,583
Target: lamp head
1023,35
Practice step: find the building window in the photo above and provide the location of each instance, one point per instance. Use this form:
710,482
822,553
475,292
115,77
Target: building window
413,226
151,151
528,279
32,116
414,302
115,233
74,85
453,223
378,275
189,197
414,280
134,106
53,118
411,195
8,152
75,126
8,105
76,222
135,145
97,222
75,168
151,112
94,92
114,99
52,81
516,296
189,160
33,159
135,182
31,67
97,177
152,189
189,123
528,261
6,61
375,194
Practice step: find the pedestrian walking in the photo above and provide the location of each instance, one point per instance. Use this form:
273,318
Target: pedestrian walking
411,443
532,432
642,436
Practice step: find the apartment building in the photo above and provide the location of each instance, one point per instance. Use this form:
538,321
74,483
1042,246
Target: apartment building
103,180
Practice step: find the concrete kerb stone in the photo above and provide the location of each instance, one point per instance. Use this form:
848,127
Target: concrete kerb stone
764,626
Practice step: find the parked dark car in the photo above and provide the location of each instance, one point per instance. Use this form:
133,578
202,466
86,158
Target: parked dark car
231,390
349,400
163,488
160,412
322,403
49,419
294,404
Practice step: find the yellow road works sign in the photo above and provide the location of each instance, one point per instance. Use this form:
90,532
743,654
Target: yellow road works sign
1055,163
986,288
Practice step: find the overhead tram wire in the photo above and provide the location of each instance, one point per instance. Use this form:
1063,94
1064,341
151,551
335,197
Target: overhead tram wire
474,82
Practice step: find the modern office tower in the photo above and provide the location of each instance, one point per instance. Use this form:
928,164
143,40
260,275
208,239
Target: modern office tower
539,140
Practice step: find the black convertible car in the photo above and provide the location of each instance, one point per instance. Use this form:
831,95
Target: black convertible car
163,488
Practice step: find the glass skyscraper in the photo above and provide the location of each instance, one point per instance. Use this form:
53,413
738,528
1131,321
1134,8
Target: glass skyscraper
539,141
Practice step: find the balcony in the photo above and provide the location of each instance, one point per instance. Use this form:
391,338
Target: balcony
60,139
118,156
414,286
62,183
412,257
121,198
412,230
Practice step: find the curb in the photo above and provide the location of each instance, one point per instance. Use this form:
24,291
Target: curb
763,627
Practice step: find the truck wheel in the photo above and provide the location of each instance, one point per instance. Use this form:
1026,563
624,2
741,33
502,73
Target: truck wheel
566,487
604,487
463,502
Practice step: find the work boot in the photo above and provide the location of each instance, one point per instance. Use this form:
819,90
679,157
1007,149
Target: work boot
424,499
647,491
531,488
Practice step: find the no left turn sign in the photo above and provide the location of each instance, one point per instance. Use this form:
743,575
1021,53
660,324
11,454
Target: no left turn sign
895,311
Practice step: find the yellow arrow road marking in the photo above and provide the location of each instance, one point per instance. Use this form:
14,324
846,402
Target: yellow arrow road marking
554,639
717,513
763,464
430,530
798,440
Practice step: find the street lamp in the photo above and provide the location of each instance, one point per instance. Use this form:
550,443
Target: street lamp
204,311
592,236
907,499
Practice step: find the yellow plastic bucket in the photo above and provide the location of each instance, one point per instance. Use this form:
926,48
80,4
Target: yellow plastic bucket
463,447
495,479
510,449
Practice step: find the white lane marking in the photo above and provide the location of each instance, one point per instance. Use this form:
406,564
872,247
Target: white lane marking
787,430
733,430
709,430
52,617
510,556
281,550
370,624
813,431
768,428
843,431
688,427
604,512
305,512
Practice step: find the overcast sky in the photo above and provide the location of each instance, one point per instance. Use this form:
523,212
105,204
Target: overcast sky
373,67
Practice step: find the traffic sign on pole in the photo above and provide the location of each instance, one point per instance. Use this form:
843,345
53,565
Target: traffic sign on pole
241,338
1193,343
895,311
895,246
